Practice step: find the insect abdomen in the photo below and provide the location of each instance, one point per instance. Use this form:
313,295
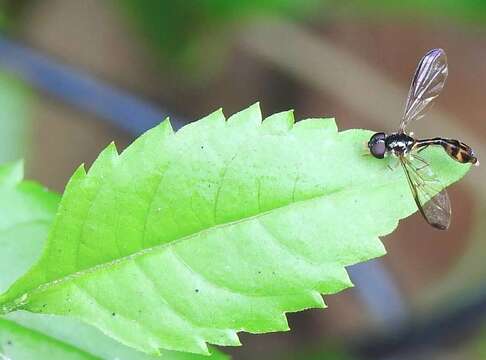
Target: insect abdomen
455,148
459,151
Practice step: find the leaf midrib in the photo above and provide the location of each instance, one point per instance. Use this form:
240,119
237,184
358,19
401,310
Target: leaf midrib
11,305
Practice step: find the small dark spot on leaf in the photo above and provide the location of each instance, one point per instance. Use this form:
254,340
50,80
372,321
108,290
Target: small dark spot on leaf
202,147
196,290
273,272
44,305
259,272
113,314
9,342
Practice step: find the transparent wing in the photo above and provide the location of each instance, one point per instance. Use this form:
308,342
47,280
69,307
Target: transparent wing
429,194
427,83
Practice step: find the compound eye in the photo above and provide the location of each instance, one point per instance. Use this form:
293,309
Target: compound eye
377,137
378,149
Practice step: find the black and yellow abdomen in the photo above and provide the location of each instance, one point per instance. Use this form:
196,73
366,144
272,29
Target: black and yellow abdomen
455,148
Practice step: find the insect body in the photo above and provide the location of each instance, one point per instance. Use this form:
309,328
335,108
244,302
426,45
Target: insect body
429,194
455,148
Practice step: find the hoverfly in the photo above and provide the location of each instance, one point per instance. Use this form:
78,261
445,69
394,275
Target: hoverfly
429,194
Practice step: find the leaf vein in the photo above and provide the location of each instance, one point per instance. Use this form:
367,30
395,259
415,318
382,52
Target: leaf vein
165,246
205,279
156,287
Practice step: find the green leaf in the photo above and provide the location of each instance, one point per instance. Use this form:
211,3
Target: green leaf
190,237
26,212
18,342
26,335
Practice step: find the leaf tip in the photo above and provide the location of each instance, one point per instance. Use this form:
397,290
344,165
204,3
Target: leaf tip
11,174
235,340
203,347
80,171
217,115
111,148
318,300
216,118
279,123
105,160
251,116
18,167
166,125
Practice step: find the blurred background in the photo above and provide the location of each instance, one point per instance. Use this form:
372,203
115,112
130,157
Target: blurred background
75,75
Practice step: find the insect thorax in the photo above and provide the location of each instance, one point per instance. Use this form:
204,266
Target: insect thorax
399,143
